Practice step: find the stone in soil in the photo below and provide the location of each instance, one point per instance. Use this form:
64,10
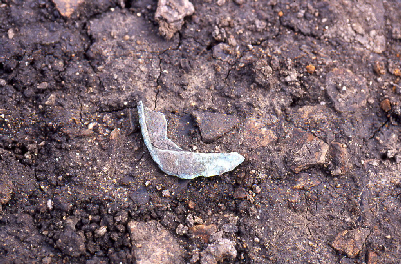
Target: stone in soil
220,249
310,68
223,52
263,73
170,16
339,159
385,105
67,7
203,232
240,193
214,125
307,151
379,68
255,133
71,243
350,242
152,243
348,91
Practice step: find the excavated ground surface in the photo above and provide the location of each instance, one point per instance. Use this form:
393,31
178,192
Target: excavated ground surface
313,92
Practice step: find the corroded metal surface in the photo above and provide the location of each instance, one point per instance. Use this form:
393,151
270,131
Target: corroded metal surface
172,159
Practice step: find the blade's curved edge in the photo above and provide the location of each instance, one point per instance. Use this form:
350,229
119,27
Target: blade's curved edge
145,133
185,164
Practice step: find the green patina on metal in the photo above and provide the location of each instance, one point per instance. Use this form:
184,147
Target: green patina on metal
175,161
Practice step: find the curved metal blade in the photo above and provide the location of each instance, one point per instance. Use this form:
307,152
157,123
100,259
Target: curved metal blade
172,159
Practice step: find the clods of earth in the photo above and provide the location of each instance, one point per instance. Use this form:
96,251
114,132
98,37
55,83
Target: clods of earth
308,92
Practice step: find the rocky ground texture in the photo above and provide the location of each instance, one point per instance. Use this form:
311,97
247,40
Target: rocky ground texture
307,91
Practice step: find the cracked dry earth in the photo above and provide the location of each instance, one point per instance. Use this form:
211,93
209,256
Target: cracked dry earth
310,94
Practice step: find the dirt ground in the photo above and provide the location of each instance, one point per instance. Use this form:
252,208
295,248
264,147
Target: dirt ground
313,92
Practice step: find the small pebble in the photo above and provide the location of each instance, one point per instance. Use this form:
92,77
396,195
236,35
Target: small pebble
10,33
166,193
51,100
191,204
49,204
92,125
3,82
379,68
310,68
240,193
256,189
350,242
385,105
203,232
181,229
43,85
101,231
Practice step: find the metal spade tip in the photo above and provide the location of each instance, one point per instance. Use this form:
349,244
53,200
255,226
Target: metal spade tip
172,159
